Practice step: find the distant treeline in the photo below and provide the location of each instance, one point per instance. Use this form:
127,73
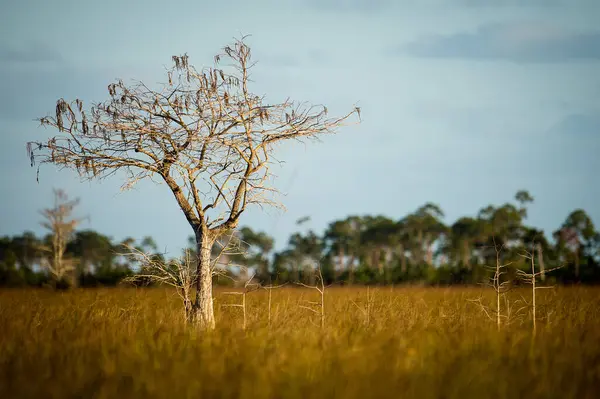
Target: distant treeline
419,248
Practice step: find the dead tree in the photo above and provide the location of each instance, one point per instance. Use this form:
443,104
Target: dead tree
531,278
317,307
366,311
270,289
500,287
249,287
180,273
203,133
61,224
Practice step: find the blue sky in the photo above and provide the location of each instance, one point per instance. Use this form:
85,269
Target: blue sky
464,102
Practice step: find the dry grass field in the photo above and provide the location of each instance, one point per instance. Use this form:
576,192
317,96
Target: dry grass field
402,343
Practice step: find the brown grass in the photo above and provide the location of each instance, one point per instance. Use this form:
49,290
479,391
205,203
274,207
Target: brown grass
419,343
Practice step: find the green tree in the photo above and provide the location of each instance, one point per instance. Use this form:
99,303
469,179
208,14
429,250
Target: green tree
380,239
93,250
576,235
426,227
305,255
338,238
523,198
464,235
255,250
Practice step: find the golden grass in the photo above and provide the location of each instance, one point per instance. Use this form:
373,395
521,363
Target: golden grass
419,343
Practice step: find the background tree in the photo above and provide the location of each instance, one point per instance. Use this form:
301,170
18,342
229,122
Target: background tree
94,250
424,227
523,198
9,273
61,224
379,238
306,255
576,237
337,237
356,227
463,235
204,133
256,247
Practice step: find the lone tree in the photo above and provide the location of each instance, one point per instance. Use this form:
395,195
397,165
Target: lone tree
203,133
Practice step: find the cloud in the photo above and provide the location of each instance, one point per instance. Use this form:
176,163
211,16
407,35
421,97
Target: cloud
311,57
519,42
30,54
350,5
278,60
579,124
29,92
510,3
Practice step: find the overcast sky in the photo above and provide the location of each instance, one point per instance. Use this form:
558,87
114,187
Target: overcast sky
464,102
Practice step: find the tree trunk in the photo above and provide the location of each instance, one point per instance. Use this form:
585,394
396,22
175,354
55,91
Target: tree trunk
430,254
541,261
577,263
428,250
466,255
389,256
402,258
420,255
341,257
351,269
378,262
203,314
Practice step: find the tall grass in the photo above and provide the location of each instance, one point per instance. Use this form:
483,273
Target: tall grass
419,342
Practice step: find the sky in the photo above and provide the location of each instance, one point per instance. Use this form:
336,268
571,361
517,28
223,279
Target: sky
464,102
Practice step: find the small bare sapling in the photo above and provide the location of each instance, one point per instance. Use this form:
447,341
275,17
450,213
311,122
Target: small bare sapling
316,307
248,287
269,289
366,310
531,278
500,288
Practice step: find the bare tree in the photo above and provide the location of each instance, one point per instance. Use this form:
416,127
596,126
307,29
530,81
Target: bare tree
181,273
320,305
248,287
366,311
178,273
61,224
270,289
531,278
500,287
203,133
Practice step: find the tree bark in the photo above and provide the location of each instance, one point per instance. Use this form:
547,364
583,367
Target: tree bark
203,313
